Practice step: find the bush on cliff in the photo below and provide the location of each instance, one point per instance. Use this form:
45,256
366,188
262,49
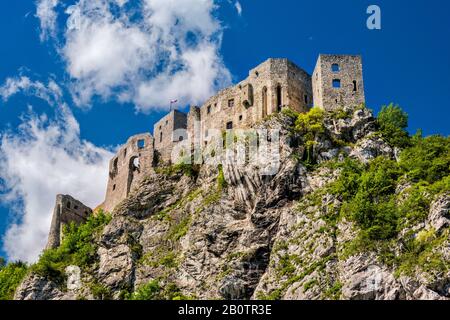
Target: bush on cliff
393,122
77,248
11,275
310,125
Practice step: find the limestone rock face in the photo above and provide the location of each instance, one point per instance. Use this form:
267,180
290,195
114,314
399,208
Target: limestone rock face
256,235
35,287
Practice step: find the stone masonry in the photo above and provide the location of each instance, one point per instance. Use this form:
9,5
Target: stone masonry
67,210
338,81
168,131
275,84
133,161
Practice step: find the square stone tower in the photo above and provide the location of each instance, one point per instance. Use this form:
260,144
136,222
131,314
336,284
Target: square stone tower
168,131
338,81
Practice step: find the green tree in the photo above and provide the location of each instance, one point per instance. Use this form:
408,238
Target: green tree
393,122
393,116
310,125
11,275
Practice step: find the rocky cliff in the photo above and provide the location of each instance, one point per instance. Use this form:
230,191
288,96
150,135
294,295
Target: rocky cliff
343,218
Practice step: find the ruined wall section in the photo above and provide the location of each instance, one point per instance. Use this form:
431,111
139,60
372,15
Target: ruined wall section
167,133
133,162
299,88
67,210
274,84
338,81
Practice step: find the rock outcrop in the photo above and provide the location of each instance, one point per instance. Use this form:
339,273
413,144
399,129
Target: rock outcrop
254,236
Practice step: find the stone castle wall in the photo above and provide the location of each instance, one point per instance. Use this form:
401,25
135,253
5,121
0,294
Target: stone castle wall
67,210
167,131
274,84
338,81
133,161
269,87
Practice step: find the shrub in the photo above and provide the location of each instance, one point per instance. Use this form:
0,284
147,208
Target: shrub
221,182
427,159
309,125
156,290
77,248
11,275
393,122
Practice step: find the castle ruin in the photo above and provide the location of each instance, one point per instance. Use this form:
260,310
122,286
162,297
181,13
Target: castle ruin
337,81
66,211
275,84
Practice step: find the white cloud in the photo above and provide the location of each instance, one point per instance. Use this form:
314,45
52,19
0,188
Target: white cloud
51,92
168,49
45,11
238,7
43,158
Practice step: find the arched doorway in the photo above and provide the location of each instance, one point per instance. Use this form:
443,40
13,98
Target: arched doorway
133,169
264,102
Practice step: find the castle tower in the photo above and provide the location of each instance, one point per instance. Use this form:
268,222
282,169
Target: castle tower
169,130
67,210
133,162
338,81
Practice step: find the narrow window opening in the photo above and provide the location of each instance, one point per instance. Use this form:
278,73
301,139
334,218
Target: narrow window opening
355,88
336,83
264,102
160,137
114,187
279,95
240,118
230,125
115,166
141,144
208,110
306,99
231,103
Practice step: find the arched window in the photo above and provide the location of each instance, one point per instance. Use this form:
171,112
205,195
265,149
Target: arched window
335,67
279,98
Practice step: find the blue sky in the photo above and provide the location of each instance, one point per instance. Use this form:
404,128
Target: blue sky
406,62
